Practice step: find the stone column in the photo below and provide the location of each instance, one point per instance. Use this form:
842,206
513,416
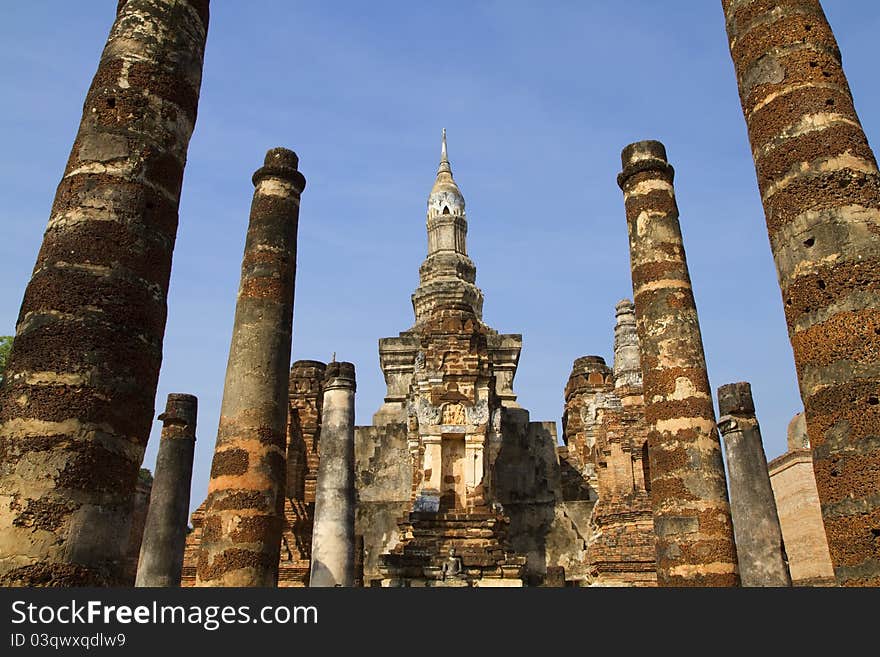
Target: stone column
77,399
138,523
752,505
241,540
695,544
333,543
161,555
820,187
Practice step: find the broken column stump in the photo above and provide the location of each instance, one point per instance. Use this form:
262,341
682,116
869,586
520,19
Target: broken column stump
333,540
161,556
752,505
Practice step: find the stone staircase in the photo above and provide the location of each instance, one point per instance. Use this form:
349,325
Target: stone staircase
452,548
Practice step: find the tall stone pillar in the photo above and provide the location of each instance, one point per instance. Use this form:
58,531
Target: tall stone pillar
333,540
161,556
695,544
820,187
752,505
77,399
244,513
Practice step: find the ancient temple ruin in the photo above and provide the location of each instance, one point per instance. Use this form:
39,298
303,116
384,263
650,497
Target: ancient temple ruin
606,435
452,484
455,485
452,470
77,397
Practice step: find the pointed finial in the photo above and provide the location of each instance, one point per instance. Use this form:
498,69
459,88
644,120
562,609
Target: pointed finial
443,157
333,360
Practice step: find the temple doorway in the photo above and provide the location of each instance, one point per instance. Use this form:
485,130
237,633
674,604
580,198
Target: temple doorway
453,491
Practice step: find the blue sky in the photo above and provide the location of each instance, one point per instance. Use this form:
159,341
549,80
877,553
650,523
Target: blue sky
538,100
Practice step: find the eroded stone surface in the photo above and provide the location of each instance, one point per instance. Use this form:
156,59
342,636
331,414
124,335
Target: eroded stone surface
621,550
76,403
333,538
759,545
695,544
244,512
820,187
162,547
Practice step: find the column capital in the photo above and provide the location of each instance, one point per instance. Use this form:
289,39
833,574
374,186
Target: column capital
339,375
640,156
736,399
281,163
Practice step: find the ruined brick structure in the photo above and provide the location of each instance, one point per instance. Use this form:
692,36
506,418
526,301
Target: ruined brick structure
76,403
800,516
621,551
442,386
304,421
453,475
820,187
455,485
590,381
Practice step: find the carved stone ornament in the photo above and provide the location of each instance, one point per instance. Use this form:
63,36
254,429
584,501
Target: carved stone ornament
427,413
453,414
478,414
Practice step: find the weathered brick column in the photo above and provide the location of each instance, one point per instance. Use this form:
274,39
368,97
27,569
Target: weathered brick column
244,513
695,544
820,188
161,556
752,505
77,400
333,540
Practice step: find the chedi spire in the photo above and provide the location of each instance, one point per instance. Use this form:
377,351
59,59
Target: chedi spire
447,275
